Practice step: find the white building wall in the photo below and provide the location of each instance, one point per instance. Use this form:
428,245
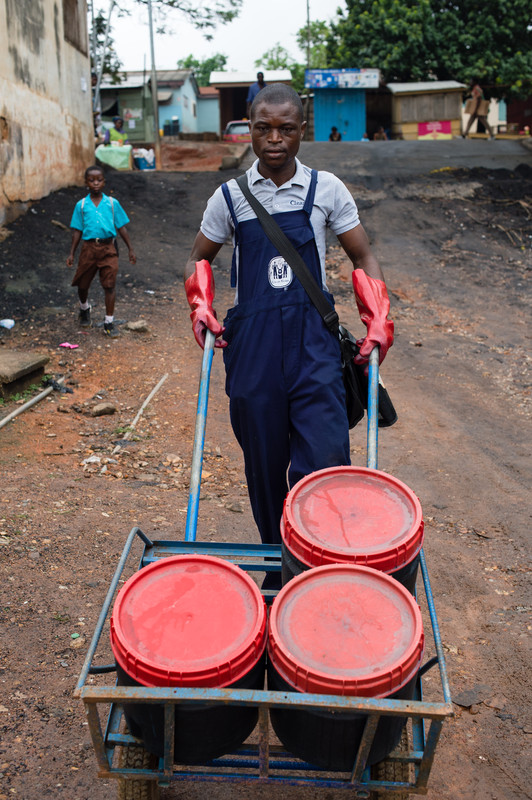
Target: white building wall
46,132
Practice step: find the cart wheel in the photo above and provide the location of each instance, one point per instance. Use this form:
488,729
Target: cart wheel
137,758
393,771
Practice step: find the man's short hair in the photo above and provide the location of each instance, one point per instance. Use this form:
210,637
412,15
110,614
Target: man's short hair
276,94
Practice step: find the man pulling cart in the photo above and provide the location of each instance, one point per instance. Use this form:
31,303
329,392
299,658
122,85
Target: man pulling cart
283,365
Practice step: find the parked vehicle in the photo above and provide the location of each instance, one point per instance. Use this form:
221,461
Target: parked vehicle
237,131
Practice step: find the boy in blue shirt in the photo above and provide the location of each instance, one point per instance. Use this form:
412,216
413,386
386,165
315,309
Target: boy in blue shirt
96,220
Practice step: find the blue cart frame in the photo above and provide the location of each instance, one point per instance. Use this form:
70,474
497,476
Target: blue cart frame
260,762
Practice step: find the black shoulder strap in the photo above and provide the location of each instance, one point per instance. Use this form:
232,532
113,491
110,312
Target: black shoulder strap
285,247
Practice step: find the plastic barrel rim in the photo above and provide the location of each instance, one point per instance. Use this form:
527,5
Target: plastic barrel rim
352,515
347,630
189,620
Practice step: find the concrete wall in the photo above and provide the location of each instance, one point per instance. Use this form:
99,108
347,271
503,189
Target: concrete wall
46,131
136,108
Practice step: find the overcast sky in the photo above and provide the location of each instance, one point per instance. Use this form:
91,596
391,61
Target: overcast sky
259,27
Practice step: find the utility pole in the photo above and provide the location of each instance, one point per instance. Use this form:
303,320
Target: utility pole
308,34
157,139
93,40
307,101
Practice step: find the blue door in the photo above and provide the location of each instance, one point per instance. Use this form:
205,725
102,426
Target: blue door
343,108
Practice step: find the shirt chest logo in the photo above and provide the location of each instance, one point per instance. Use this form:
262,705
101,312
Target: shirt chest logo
279,273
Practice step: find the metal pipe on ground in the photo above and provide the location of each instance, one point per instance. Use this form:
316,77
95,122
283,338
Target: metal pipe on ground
29,404
131,427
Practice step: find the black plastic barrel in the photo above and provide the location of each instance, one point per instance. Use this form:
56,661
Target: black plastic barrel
190,621
342,630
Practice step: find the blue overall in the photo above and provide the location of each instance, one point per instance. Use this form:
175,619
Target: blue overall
283,370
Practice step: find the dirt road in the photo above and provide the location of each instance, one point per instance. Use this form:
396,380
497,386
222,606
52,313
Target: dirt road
451,225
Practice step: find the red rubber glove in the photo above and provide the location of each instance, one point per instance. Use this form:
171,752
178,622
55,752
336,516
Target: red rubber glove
200,295
373,306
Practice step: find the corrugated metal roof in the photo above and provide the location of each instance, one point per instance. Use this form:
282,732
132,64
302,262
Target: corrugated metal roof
424,86
137,78
127,83
163,74
219,78
179,75
208,91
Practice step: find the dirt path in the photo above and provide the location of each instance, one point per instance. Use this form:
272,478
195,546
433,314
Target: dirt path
456,249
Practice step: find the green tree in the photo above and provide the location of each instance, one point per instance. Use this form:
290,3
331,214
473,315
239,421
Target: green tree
312,40
203,67
278,57
205,17
111,63
413,40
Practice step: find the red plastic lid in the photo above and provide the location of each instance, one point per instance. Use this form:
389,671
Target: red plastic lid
352,515
346,630
188,620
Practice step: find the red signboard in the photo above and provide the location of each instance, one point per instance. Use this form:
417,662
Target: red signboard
434,130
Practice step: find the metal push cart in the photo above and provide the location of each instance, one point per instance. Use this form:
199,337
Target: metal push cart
140,774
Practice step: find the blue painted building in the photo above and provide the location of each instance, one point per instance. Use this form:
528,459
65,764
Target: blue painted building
179,100
340,101
209,110
178,94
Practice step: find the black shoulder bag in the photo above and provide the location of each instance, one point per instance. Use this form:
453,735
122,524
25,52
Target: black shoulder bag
355,382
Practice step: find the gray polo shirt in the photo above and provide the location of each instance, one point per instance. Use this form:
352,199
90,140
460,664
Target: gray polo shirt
333,208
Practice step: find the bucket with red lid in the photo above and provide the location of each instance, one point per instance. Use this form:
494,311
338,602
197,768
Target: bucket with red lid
352,515
342,630
190,621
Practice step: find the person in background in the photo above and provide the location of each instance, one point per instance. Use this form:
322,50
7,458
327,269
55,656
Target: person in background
335,135
116,134
283,365
254,89
380,135
96,220
477,95
365,138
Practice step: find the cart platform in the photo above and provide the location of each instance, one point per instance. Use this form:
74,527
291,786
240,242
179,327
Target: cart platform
258,760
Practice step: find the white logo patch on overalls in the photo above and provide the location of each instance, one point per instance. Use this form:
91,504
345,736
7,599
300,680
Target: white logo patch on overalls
279,273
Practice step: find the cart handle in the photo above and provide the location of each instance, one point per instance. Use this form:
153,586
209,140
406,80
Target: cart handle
199,439
201,420
373,408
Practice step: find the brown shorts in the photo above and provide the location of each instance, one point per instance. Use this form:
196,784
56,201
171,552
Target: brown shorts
93,258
